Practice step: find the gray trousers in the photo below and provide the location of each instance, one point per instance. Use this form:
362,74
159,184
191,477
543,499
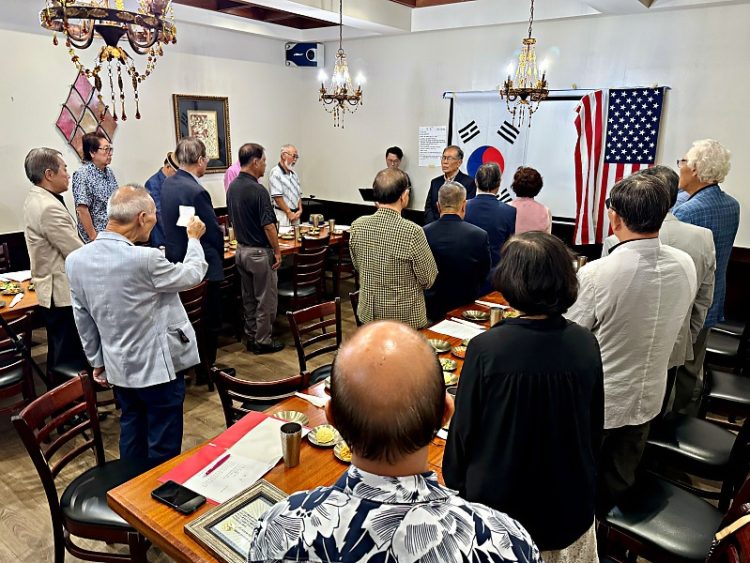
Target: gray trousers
689,381
259,291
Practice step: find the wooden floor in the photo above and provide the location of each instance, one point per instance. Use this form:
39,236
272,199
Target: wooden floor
25,526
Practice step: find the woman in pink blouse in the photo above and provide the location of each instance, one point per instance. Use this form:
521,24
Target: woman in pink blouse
530,215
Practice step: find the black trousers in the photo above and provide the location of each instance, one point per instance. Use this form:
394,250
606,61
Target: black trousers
212,321
63,343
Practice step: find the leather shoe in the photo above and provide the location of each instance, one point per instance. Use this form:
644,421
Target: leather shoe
273,347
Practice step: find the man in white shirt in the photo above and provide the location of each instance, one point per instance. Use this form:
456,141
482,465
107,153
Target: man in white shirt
286,193
698,242
635,302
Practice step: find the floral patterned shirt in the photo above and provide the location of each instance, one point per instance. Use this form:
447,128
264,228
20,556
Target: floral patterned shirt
93,187
366,517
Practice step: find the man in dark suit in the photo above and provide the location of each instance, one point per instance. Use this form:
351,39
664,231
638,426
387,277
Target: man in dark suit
184,189
450,162
461,251
488,213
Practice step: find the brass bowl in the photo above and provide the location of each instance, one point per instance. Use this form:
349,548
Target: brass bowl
440,345
476,315
342,452
448,365
312,436
459,351
449,378
293,416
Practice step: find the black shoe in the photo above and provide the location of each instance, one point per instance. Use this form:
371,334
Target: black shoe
273,347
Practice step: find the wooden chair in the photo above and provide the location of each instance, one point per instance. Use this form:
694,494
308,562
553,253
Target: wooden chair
240,397
339,263
725,393
316,331
306,285
726,349
231,297
16,378
69,412
194,301
354,298
697,447
4,258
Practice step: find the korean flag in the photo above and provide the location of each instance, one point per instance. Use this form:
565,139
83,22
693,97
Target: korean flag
483,128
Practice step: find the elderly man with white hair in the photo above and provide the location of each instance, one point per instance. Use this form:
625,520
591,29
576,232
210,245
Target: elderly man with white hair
133,327
286,193
702,202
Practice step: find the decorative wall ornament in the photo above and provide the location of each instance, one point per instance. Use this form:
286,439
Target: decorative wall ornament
82,113
207,118
147,24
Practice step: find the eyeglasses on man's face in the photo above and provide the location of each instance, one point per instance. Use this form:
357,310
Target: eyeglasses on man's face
109,149
681,162
448,158
292,155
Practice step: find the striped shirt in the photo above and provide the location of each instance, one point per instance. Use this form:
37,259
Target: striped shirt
395,266
719,212
285,184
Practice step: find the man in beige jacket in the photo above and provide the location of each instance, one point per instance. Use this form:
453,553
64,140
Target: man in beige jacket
51,235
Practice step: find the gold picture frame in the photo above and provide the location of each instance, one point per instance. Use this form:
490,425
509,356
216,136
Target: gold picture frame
205,117
226,530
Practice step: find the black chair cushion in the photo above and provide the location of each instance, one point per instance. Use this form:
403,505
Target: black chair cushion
68,371
85,499
730,387
666,516
735,328
286,289
11,377
722,344
319,374
690,444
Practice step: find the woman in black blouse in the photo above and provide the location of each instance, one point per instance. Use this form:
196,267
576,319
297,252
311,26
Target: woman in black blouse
530,406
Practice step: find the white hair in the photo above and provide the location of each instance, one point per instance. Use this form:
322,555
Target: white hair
710,160
287,148
128,202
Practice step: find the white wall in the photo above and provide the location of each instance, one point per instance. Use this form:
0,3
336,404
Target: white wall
695,51
249,70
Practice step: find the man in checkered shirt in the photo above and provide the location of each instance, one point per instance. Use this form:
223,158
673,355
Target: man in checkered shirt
391,254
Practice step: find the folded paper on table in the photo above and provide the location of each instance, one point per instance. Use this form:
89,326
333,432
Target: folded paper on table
456,330
186,212
490,304
20,276
230,477
284,230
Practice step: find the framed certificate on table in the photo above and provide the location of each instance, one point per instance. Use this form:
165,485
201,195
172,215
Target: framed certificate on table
227,530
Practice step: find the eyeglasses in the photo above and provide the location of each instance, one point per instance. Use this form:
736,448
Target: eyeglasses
294,156
681,162
608,203
109,150
448,158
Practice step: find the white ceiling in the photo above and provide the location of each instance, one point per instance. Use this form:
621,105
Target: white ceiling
363,18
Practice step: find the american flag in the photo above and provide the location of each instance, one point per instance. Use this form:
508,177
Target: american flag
603,157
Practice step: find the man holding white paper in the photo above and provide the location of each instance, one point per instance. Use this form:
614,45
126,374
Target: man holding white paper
182,196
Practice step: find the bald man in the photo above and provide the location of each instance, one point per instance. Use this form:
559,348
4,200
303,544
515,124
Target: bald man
388,401
133,327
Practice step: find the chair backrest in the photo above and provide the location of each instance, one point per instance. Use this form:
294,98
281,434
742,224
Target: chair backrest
354,298
235,393
310,243
309,270
21,325
734,546
223,221
4,258
193,300
69,413
316,330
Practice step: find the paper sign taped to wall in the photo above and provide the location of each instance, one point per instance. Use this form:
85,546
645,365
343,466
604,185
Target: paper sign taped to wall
432,141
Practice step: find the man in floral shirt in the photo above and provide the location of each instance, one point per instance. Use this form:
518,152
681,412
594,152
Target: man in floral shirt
93,185
388,401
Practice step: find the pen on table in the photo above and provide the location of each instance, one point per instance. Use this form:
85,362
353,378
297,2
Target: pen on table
215,465
467,323
15,300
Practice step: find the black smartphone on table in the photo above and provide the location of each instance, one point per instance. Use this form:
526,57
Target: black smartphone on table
178,497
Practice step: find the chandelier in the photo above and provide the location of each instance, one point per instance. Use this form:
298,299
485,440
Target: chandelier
147,24
340,96
523,95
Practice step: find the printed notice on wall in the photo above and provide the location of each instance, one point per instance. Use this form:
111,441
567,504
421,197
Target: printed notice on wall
432,141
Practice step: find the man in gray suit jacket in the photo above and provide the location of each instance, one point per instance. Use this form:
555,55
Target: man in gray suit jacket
133,326
51,234
690,349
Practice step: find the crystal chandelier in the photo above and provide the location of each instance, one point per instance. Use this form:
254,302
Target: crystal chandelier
340,96
147,24
523,95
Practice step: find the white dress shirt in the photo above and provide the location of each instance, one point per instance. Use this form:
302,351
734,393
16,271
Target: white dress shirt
698,242
635,301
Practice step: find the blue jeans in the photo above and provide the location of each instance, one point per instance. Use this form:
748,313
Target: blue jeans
151,420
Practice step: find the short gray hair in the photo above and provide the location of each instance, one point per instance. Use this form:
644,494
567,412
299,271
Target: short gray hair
38,161
189,150
451,196
128,202
286,148
710,160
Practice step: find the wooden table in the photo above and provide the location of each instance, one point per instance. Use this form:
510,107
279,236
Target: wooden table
26,305
293,246
165,527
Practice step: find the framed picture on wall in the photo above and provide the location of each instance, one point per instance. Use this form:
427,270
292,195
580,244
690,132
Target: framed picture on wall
205,117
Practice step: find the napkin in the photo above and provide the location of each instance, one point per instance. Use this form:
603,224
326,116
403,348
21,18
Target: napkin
319,402
186,212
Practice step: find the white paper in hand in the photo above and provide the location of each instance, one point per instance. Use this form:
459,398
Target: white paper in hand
186,212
